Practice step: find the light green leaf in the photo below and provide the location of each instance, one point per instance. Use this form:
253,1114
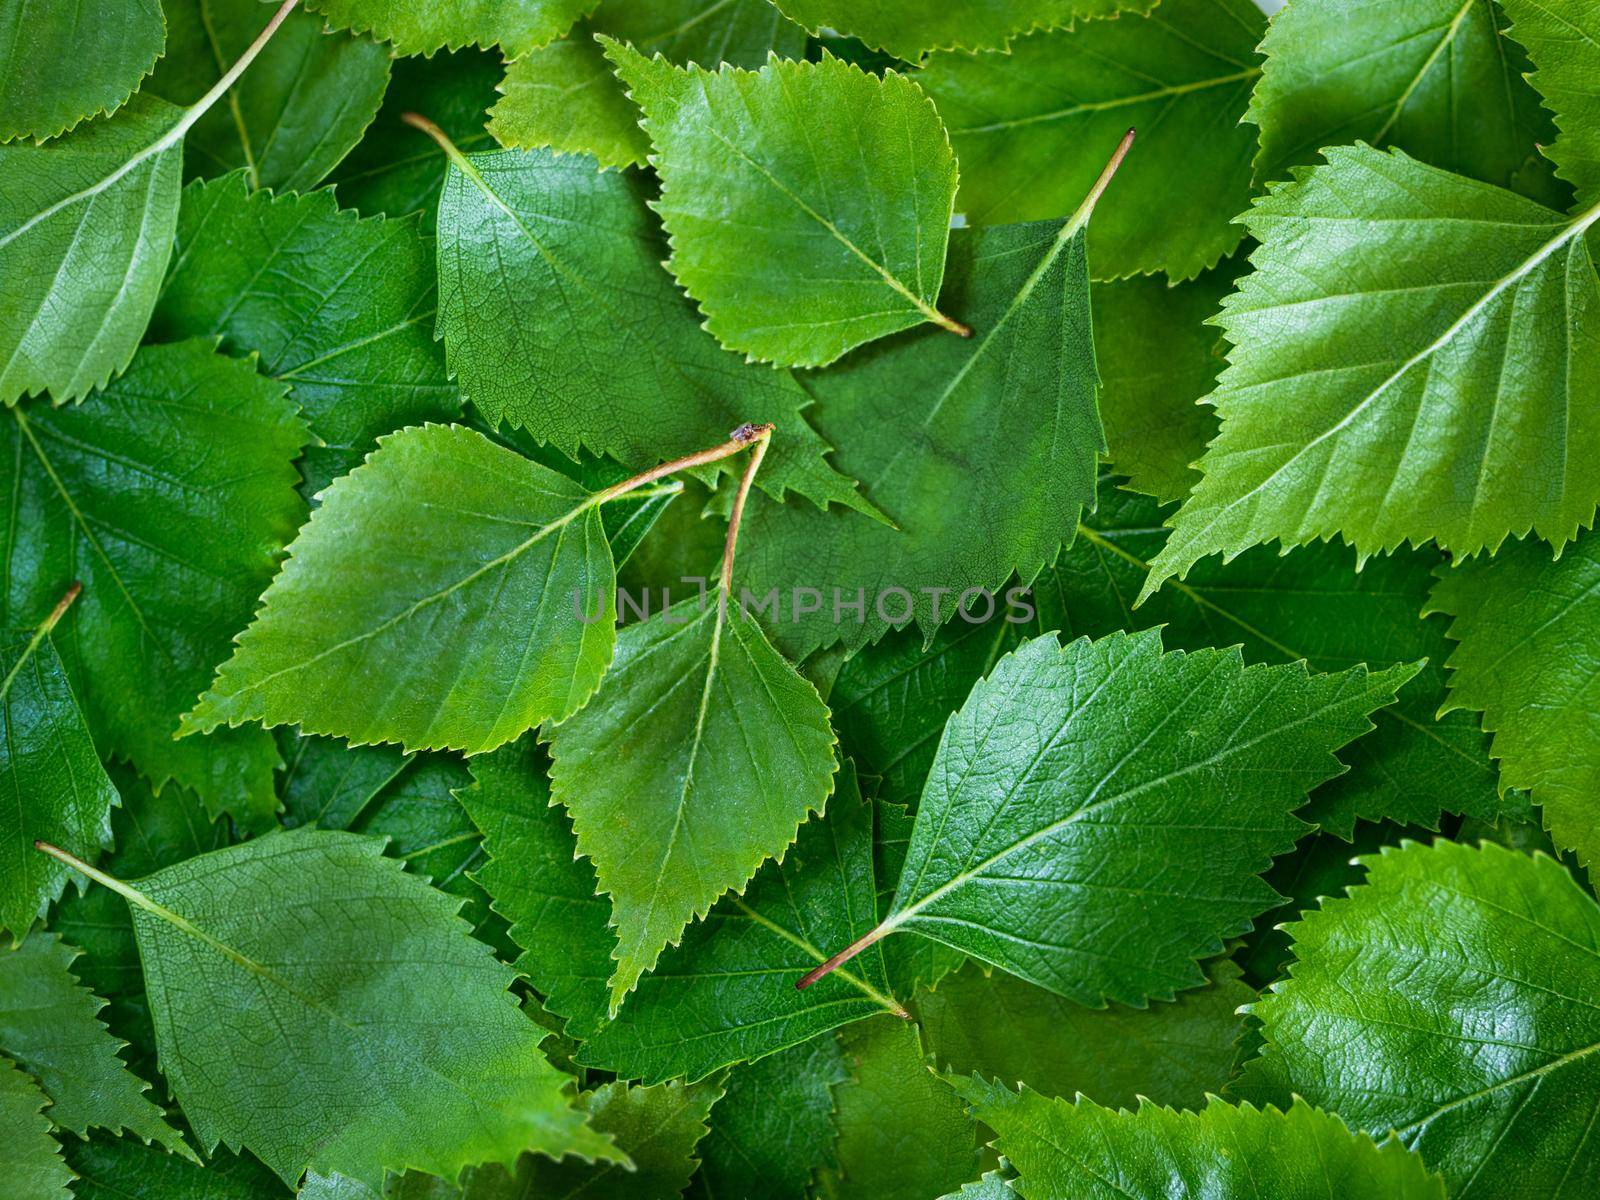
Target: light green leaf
73,60
346,323
422,26
699,757
1563,40
34,1170
1032,126
396,170
52,786
798,249
908,29
86,226
773,1127
708,32
957,461
992,1185
50,1027
297,983
430,602
727,994
1173,1054
557,318
1437,78
1408,360
169,496
564,97
117,1168
1449,1000
927,1147
288,121
1099,812
1529,629
1159,357
1093,1153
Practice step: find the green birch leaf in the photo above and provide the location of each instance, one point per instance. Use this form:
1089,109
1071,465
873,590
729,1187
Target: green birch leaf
700,756
117,1168
564,97
1373,391
1099,812
429,601
1563,40
52,786
1093,1153
72,61
346,323
422,27
292,116
773,1128
908,29
991,1185
727,993
1315,605
739,32
1031,124
34,1170
798,250
913,963
328,783
956,459
86,226
929,1145
49,1025
395,170
1437,78
169,496
1159,357
980,1021
557,319
1481,1058
1529,662
296,983
658,1128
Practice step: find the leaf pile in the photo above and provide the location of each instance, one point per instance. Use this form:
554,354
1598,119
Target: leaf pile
799,599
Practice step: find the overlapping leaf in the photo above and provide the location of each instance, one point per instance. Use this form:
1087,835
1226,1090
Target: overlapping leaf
1448,1000
1563,40
1030,125
1409,359
422,27
168,495
58,70
33,1160
909,29
797,249
116,1168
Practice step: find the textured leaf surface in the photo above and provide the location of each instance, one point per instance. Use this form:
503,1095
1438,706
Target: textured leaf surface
1481,1058
1408,358
908,29
1173,1054
293,115
1082,1150
33,1160
956,458
557,318
429,601
328,783
1314,605
297,983
168,495
1563,40
927,1149
346,322
50,1027
117,1168
1032,127
1099,811
1529,661
71,61
727,993
86,227
773,1127
798,249
421,26
697,760
1437,78
708,32
52,786
565,97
